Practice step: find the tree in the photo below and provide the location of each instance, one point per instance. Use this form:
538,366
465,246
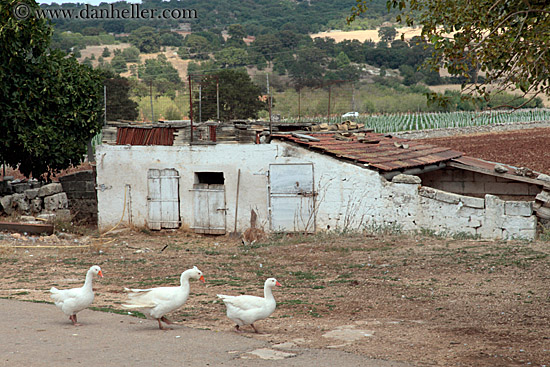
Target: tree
195,47
146,39
505,40
171,39
306,70
236,34
119,105
51,105
239,96
118,63
268,45
231,57
161,73
131,54
106,52
387,34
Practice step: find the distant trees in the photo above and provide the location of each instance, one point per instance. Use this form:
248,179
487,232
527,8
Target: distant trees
387,34
195,47
146,39
119,105
160,73
131,54
231,57
239,96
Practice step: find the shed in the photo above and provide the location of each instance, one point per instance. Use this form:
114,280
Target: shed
309,181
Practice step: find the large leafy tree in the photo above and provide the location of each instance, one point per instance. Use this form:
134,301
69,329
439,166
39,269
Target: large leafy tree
239,97
50,105
146,39
507,41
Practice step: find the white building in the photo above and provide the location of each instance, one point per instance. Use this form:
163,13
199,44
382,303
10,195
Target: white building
312,182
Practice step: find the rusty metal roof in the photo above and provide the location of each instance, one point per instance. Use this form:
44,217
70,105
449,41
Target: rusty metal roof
384,152
145,136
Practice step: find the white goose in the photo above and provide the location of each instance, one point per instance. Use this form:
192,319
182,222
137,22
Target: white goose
245,310
71,301
157,302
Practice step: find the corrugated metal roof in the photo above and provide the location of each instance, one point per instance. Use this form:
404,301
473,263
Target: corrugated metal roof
145,136
380,151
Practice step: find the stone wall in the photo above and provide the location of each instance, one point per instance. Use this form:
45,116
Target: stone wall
488,217
73,198
47,199
80,190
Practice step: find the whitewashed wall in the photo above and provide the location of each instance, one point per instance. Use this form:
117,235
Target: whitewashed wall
349,197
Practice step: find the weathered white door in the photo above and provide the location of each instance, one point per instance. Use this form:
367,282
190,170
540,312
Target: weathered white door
163,198
292,197
210,210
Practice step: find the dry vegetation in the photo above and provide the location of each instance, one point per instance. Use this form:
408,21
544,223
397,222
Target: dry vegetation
364,35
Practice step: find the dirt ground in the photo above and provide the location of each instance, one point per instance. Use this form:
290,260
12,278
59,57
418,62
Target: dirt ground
527,147
417,299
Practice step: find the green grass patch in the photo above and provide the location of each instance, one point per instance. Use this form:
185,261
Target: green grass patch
119,312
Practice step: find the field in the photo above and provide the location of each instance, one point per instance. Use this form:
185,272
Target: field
385,123
527,148
364,35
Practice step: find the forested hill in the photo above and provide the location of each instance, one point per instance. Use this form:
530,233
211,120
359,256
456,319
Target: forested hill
258,16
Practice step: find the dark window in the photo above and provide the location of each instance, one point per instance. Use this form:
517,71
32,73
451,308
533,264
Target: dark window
211,178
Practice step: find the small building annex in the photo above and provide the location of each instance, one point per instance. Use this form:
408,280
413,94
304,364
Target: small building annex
308,181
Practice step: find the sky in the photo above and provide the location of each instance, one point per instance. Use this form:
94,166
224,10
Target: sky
92,2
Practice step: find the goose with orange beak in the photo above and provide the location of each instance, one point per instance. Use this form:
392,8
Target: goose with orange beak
157,302
71,301
245,310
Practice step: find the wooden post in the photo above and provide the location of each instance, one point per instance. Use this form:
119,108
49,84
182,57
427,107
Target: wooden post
237,199
190,108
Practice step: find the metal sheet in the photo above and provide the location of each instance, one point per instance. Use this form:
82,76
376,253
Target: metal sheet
292,197
386,155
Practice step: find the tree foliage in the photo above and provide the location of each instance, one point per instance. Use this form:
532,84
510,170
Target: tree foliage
507,41
119,105
239,97
146,39
51,105
387,34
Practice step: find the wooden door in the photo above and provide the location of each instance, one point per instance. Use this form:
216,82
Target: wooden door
292,197
163,199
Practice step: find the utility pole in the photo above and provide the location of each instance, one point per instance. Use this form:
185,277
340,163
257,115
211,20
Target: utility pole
151,96
353,97
190,108
200,102
218,96
269,105
104,105
299,102
328,109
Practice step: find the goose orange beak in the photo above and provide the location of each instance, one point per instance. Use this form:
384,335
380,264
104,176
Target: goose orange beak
202,279
278,284
100,274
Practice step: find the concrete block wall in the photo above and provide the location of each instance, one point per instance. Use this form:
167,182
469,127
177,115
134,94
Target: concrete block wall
80,190
477,184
